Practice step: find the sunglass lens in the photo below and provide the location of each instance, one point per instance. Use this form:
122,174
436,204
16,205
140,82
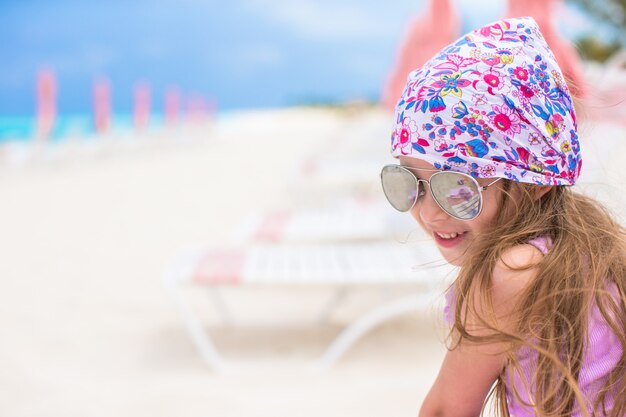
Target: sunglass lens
399,186
457,194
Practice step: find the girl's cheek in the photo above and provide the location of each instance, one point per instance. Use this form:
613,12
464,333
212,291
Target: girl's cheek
415,213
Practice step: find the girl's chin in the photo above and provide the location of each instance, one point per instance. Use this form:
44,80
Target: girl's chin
455,260
453,255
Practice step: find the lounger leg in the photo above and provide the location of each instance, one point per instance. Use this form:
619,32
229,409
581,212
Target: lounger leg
366,323
199,336
338,296
220,305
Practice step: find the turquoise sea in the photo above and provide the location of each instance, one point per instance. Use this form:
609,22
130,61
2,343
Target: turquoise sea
22,128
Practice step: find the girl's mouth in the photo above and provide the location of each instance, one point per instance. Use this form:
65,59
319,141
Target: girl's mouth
448,240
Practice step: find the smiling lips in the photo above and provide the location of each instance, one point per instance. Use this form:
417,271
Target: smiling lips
448,235
448,240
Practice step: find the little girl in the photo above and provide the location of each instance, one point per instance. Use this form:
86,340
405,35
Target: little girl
487,142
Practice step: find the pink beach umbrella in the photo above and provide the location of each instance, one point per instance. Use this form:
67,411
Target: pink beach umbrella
543,11
197,108
102,105
172,105
46,91
141,110
438,26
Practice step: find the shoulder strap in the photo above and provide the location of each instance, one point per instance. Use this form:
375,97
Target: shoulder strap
543,243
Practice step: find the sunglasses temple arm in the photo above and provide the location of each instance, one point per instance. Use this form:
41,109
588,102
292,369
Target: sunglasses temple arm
484,187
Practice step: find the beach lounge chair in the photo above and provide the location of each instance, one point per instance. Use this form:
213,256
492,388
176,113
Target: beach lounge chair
344,265
347,221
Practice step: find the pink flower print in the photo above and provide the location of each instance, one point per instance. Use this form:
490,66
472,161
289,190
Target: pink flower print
455,62
404,141
479,99
485,31
410,124
495,30
494,82
521,74
502,121
506,120
488,171
441,145
533,139
409,127
527,91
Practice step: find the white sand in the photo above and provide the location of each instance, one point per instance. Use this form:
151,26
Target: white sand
87,329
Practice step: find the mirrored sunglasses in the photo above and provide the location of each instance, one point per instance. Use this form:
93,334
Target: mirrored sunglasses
458,194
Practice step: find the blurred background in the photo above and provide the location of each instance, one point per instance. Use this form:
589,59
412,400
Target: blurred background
239,55
215,164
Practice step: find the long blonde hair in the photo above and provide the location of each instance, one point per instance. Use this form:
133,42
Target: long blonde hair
587,261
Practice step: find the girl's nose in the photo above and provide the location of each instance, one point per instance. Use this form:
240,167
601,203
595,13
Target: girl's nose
428,210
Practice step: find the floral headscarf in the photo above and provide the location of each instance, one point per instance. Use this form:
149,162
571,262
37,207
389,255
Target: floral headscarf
492,104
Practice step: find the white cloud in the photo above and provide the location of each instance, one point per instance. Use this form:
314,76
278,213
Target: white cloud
330,20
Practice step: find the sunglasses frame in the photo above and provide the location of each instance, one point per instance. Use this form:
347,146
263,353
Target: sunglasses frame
479,187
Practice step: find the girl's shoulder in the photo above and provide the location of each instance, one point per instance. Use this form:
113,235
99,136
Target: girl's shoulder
524,255
516,268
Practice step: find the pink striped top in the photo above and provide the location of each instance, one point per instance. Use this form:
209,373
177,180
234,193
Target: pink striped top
601,356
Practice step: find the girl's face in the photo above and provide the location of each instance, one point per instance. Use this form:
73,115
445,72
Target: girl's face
452,236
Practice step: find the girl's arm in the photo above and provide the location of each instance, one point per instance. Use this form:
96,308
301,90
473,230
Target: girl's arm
465,377
469,370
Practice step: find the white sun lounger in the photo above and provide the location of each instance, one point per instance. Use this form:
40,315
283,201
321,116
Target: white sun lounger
350,221
380,264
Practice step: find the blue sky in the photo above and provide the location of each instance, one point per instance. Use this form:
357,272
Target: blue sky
245,53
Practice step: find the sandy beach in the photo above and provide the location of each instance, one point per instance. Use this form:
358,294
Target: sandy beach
89,226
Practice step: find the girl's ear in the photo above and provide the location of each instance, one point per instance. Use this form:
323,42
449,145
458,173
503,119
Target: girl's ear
542,190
